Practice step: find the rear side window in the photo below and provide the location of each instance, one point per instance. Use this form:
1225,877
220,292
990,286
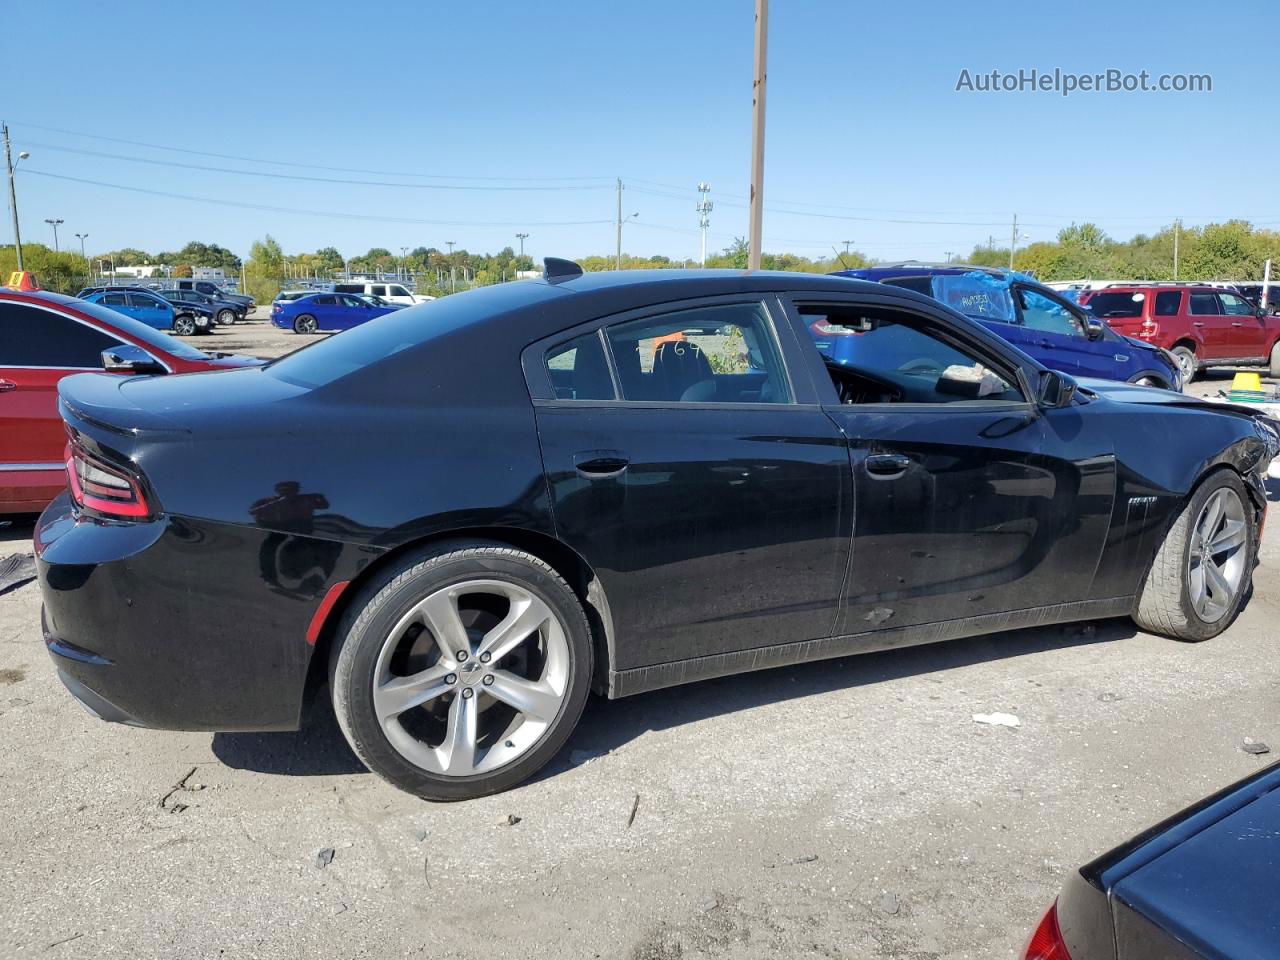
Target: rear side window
30,337
114,300
1168,302
379,290
578,370
1117,306
325,301
1204,305
399,292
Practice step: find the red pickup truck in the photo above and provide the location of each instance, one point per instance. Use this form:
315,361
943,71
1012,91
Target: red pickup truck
1202,326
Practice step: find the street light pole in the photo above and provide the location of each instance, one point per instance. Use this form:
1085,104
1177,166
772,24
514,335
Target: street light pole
453,270
522,237
404,261
54,224
82,237
13,196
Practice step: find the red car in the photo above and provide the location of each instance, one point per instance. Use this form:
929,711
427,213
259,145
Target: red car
1202,326
45,337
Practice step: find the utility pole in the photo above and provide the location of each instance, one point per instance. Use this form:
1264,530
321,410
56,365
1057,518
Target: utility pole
704,216
949,253
756,219
1266,284
54,224
13,196
1013,240
617,263
1177,229
453,272
847,245
522,237
82,237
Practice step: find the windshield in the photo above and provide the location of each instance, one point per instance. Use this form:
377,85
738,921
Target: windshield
140,331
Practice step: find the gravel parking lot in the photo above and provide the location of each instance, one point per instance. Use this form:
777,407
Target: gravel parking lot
842,809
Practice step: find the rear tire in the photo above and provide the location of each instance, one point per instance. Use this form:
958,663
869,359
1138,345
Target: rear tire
1186,358
450,724
226,316
1182,597
1274,363
305,323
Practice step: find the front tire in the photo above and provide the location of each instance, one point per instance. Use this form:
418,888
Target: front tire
305,323
184,325
1204,567
1186,358
460,671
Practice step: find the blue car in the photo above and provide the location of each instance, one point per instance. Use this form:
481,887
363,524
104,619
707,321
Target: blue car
149,308
1042,323
327,311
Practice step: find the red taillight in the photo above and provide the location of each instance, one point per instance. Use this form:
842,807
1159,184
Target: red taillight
1046,943
1149,328
104,489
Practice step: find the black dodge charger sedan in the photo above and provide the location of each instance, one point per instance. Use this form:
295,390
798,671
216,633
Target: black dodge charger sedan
1199,886
468,514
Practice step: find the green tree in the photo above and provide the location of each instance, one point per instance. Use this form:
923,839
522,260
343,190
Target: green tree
60,272
264,273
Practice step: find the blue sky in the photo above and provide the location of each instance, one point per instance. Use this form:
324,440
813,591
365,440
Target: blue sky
864,124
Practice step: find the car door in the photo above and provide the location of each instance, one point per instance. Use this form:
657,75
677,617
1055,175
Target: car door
38,347
697,476
326,311
1058,336
969,502
118,301
1247,333
352,311
151,311
1209,323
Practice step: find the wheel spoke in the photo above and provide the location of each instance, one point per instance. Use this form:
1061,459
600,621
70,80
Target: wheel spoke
527,614
1219,589
1231,535
399,694
1212,515
1197,586
537,701
459,747
440,613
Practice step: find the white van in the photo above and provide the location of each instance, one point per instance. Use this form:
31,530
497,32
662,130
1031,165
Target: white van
390,292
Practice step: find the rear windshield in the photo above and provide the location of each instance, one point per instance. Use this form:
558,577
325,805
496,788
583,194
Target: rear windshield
140,331
1112,306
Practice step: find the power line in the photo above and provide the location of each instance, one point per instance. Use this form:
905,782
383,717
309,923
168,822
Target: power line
303,177
315,213
291,163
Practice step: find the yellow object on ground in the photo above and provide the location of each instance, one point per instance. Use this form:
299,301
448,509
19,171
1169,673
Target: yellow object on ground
1251,382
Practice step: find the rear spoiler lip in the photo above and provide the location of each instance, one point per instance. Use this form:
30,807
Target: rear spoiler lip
96,399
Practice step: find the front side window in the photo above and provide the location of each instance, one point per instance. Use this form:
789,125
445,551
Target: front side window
1234,306
716,354
30,337
1168,302
578,370
1204,305
399,292
350,301
378,290
884,356
1041,313
142,300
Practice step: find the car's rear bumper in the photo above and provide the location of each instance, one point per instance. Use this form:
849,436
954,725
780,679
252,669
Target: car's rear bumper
183,624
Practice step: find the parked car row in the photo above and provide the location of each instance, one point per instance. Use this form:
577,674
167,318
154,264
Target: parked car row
152,308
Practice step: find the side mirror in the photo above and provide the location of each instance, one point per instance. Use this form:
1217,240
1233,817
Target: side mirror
1260,311
1092,327
1056,390
128,358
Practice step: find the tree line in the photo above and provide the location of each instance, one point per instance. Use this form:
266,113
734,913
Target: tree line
1234,250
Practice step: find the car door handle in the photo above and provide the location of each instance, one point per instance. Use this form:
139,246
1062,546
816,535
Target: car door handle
886,466
1236,323
1197,323
7,385
600,464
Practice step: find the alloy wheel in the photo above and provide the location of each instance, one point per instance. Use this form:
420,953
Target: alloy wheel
184,326
471,678
1187,362
226,317
1216,560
